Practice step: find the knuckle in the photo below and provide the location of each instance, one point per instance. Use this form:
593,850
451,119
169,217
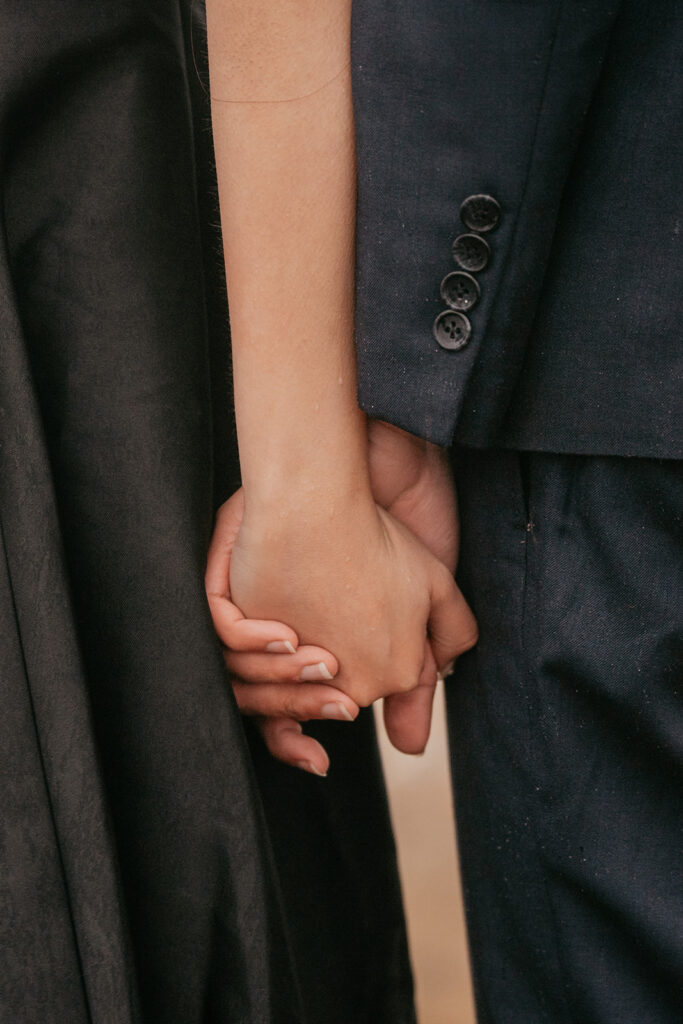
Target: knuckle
360,695
406,681
291,709
468,641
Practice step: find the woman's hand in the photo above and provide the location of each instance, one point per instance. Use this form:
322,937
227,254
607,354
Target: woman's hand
274,679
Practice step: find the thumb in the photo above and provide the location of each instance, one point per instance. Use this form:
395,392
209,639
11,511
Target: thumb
408,716
234,631
228,522
451,625
225,615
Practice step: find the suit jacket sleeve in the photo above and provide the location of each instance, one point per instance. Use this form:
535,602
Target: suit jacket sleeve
454,98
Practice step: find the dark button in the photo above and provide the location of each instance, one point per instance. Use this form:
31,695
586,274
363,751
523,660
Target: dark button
471,252
480,213
452,330
460,290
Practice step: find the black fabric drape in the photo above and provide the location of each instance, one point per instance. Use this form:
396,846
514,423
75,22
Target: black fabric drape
137,881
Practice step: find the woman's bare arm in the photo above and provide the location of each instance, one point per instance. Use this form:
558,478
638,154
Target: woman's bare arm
283,132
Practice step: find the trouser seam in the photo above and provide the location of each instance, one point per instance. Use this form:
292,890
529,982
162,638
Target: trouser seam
528,472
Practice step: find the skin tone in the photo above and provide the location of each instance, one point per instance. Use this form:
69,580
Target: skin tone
306,541
412,479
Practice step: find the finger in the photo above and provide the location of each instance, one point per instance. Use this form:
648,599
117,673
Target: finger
287,743
234,630
408,716
228,520
230,624
452,626
308,665
240,634
300,701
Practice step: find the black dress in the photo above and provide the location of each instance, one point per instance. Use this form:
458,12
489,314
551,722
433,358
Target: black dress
151,867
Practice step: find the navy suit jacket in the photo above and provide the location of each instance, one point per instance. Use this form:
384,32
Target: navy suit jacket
569,114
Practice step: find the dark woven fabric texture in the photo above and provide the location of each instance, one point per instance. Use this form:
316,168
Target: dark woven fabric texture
137,878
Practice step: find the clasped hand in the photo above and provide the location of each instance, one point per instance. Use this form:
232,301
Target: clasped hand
369,580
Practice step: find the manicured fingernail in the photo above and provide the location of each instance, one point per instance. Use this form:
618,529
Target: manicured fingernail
308,766
337,711
280,647
310,672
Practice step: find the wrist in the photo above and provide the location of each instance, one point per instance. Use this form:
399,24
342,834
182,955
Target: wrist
314,494
399,436
401,462
317,465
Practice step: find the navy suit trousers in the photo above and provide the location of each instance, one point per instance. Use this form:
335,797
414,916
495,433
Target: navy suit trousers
567,737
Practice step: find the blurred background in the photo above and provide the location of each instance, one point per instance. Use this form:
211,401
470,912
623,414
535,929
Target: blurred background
421,811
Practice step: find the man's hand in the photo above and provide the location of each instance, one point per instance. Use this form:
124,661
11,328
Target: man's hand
412,479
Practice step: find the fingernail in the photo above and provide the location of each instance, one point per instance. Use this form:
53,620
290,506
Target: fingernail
280,647
447,670
319,671
308,766
337,711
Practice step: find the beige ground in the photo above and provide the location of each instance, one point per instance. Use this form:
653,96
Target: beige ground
419,793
